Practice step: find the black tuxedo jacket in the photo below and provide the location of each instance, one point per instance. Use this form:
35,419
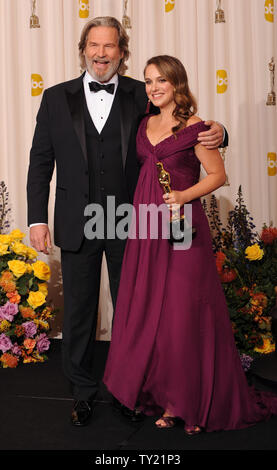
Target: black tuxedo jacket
60,139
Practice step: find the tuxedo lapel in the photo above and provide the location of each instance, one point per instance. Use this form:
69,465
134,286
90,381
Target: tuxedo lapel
75,98
126,102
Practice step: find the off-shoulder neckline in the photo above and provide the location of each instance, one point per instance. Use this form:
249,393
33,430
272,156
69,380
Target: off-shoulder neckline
168,138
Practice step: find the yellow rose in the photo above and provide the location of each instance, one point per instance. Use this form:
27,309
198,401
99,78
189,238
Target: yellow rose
6,239
19,248
3,249
16,235
43,288
36,299
254,252
18,268
31,253
29,268
41,270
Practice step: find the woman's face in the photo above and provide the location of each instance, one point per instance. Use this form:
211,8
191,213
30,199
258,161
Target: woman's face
159,90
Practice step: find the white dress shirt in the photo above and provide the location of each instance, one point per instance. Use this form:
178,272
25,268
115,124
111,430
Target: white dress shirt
99,105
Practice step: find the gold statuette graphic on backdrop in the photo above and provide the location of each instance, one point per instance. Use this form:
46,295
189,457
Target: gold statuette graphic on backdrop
34,19
169,5
180,230
219,13
126,21
271,97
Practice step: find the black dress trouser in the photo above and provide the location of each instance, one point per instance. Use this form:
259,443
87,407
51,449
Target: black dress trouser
81,283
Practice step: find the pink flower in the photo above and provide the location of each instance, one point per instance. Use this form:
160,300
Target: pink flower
43,343
16,350
5,343
30,329
8,311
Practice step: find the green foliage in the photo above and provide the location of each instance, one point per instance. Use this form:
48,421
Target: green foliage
247,266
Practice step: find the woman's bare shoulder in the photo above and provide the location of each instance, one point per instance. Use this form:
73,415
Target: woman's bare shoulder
193,120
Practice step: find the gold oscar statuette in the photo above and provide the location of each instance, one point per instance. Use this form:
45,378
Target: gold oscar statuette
180,229
126,21
271,97
219,14
34,19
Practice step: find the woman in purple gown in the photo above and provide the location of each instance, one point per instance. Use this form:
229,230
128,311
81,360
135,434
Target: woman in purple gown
172,348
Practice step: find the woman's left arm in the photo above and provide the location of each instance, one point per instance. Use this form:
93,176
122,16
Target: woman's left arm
213,165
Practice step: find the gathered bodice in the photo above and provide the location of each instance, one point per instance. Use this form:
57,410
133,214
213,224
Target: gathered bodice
176,152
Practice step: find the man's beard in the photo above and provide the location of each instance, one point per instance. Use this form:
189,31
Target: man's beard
113,68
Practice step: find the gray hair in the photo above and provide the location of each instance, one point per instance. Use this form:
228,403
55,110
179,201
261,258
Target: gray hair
123,40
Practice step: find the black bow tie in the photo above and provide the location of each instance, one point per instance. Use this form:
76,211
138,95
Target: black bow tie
95,86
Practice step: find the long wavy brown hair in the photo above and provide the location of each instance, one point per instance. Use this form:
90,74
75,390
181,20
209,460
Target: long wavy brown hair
173,70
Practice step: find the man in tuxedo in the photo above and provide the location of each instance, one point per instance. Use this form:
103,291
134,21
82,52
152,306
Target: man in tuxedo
87,128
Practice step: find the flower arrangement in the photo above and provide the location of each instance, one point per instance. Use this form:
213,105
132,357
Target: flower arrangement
247,266
24,311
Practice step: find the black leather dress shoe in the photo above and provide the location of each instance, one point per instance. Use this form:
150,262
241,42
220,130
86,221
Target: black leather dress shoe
133,415
81,412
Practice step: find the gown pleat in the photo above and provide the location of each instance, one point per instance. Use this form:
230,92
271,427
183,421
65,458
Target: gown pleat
172,345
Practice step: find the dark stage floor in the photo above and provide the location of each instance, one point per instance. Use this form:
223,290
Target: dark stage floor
36,407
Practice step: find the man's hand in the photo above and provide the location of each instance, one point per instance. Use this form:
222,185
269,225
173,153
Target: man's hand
212,138
40,238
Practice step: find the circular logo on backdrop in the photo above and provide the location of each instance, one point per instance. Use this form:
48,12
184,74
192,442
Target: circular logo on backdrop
83,8
271,164
269,10
169,5
36,84
221,81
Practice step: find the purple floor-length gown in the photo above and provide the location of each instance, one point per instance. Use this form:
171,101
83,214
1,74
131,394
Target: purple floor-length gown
172,343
